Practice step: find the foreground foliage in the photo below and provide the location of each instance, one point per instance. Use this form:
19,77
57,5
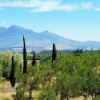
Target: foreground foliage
71,76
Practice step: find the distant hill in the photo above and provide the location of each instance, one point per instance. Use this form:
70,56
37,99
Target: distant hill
11,39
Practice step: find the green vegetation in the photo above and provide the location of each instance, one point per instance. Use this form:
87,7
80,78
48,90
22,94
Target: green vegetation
54,53
24,57
74,74
33,59
12,73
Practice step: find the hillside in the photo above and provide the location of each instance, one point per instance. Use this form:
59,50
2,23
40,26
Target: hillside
11,38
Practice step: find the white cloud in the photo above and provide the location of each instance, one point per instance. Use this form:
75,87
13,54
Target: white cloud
64,7
51,7
87,5
30,3
3,23
97,9
47,5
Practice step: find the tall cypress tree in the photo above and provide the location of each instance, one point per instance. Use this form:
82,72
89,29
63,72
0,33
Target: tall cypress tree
24,57
54,52
12,72
33,59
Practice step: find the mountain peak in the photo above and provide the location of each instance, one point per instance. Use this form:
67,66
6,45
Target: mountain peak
15,26
2,27
19,28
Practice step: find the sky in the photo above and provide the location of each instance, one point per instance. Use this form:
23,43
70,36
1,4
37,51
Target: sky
73,19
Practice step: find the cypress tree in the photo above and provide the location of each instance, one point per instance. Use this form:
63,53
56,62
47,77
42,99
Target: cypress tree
33,59
54,52
12,72
24,57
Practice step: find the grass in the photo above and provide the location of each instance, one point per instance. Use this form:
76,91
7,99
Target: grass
35,94
6,91
81,98
7,96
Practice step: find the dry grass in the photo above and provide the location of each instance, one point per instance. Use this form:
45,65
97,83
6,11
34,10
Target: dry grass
35,94
6,91
9,95
81,98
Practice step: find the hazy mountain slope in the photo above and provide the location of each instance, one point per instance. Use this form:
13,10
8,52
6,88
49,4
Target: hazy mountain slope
12,38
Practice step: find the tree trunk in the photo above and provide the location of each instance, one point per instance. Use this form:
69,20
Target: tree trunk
95,96
92,97
67,97
30,94
61,96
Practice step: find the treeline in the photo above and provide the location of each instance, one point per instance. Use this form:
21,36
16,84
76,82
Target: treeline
54,76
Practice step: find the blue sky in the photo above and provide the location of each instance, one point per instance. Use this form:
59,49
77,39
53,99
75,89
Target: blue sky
73,19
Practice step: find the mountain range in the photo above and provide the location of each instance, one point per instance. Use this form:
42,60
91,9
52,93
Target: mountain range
11,38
